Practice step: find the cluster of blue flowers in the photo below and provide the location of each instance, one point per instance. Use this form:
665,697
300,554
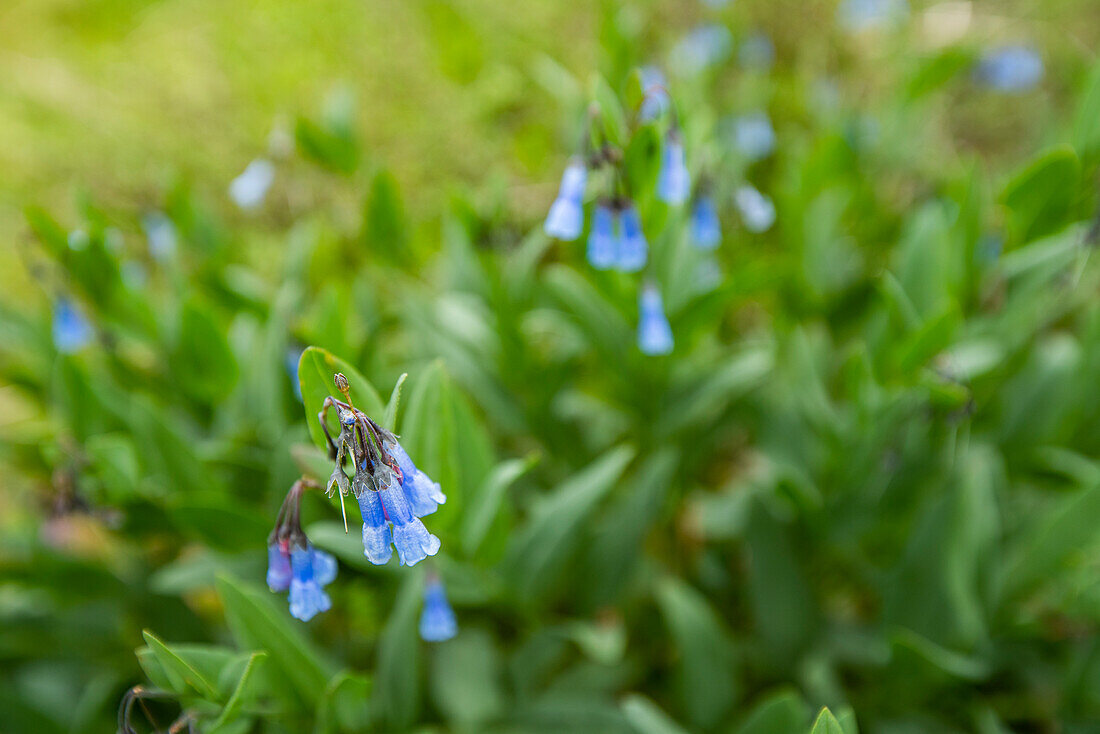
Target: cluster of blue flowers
393,494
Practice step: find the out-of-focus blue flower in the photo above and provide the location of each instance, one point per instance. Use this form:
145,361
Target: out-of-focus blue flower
704,46
753,135
71,330
377,538
161,234
249,189
654,332
413,541
1010,69
757,211
673,180
291,359
566,217
437,621
78,239
706,231
655,98
757,52
861,15
424,495
989,248
601,239
310,570
278,566
633,248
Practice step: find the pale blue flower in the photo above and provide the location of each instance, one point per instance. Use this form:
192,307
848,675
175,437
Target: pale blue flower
633,249
377,538
424,495
437,621
673,179
161,235
566,217
754,136
757,211
861,15
71,330
278,566
757,52
249,189
655,100
706,231
601,240
704,46
1010,69
310,570
654,331
413,541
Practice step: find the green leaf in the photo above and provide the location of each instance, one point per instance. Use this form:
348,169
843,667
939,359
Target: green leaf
201,358
612,118
486,506
778,714
239,695
316,369
389,422
256,623
1040,198
1086,121
706,669
465,679
396,682
936,72
646,717
336,150
826,723
179,671
385,228
344,705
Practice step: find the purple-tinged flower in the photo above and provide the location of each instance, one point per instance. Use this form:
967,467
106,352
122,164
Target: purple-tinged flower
424,495
654,332
757,52
757,211
754,136
161,234
413,541
601,240
633,249
249,189
673,180
278,566
437,621
71,330
706,232
705,46
566,217
1010,69
377,538
862,15
655,99
310,570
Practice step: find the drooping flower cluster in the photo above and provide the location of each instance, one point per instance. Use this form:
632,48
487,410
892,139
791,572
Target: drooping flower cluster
392,493
293,564
616,240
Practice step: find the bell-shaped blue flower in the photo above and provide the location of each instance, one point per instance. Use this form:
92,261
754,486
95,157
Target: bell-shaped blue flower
71,330
706,231
757,211
566,217
424,495
278,566
673,180
249,189
601,239
377,538
655,99
633,248
1011,69
413,541
704,46
753,135
654,332
307,598
161,234
437,621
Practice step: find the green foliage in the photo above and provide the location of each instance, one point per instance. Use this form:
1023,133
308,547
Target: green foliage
865,478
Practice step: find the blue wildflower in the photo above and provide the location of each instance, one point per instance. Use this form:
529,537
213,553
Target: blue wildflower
424,495
861,15
655,99
78,239
673,180
413,541
249,189
566,217
757,211
278,566
705,46
706,231
377,538
161,234
633,248
601,240
757,52
1010,69
754,136
437,621
310,570
291,358
654,332
71,330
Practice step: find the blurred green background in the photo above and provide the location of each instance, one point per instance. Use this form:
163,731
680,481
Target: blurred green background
865,478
